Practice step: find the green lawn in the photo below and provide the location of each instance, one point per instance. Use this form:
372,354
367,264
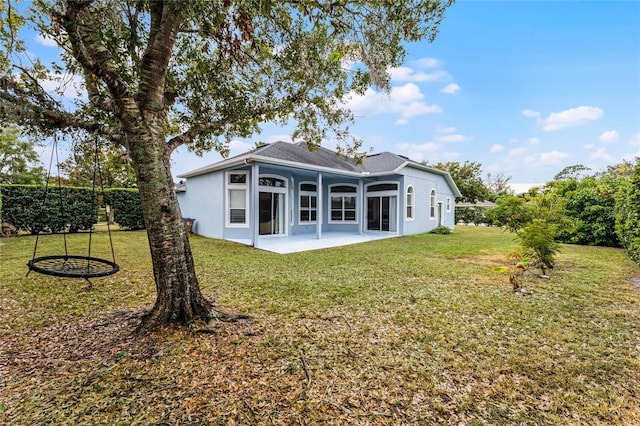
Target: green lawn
410,330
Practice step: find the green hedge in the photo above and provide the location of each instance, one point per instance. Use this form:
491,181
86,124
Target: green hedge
55,209
126,208
628,215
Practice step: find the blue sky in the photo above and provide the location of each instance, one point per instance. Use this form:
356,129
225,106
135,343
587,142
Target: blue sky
524,87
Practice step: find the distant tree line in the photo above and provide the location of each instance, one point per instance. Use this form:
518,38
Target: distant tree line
575,207
600,209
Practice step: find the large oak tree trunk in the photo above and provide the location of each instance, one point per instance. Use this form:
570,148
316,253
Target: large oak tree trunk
178,293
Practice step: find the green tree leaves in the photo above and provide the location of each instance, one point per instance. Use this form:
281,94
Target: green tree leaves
19,162
628,214
468,178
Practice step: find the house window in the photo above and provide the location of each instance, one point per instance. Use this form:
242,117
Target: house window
432,204
448,204
343,203
237,199
410,203
308,212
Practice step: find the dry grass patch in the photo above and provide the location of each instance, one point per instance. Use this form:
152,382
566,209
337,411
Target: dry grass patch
416,330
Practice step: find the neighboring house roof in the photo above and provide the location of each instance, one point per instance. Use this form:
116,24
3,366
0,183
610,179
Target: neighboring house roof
477,204
321,159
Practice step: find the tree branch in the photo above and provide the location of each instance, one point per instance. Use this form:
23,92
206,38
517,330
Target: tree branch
15,102
96,98
154,65
91,54
193,132
211,126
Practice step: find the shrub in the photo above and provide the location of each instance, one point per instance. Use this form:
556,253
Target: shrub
442,230
126,207
35,208
473,215
511,212
537,241
628,215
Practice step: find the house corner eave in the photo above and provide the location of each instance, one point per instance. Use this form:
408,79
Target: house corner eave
445,174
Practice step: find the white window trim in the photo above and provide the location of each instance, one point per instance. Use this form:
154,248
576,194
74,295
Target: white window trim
264,188
344,194
448,204
311,194
412,205
237,186
277,190
433,203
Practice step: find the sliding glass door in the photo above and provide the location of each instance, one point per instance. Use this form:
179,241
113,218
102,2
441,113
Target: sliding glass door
272,206
381,213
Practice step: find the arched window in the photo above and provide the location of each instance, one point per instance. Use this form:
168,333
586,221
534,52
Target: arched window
410,203
343,203
432,204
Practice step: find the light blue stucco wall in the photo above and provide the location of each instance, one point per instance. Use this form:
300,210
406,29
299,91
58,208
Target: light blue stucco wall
423,182
203,201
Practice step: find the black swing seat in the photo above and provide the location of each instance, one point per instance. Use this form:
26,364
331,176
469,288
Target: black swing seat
73,266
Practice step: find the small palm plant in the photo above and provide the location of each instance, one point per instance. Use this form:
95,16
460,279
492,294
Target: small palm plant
537,241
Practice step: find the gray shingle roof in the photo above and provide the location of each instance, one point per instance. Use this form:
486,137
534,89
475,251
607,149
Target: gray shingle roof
294,154
299,153
383,162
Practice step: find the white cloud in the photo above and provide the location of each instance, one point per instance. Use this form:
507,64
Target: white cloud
610,136
452,137
571,117
552,157
635,139
589,146
406,100
238,147
441,129
45,41
530,113
533,141
419,152
496,148
428,63
409,74
67,86
517,152
450,89
601,154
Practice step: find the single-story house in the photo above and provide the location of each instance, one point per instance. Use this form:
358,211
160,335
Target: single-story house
282,192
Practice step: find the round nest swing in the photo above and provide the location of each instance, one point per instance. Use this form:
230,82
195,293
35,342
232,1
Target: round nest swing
70,266
67,265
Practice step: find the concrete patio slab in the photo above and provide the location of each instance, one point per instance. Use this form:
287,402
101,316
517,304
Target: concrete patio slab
307,242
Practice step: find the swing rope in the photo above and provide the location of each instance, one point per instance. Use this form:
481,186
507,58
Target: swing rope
96,163
67,265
